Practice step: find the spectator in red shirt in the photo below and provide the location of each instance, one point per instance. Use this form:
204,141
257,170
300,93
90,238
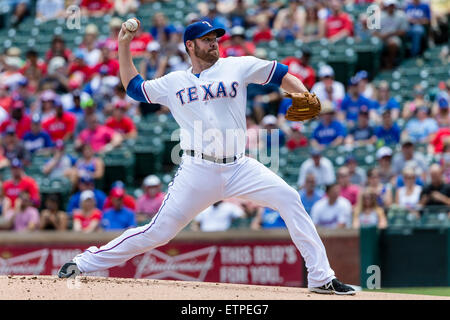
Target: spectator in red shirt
80,65
138,45
118,191
60,126
18,120
100,137
34,68
58,49
6,100
438,139
348,190
120,122
300,68
106,61
96,8
238,46
297,139
87,218
111,42
339,24
262,33
20,182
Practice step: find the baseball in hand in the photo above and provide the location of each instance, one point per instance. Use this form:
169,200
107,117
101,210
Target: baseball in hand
131,25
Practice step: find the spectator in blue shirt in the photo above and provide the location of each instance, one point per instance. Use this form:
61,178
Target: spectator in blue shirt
353,102
267,218
215,18
418,15
388,133
384,101
75,105
161,31
85,183
118,217
37,139
362,133
420,127
309,194
329,132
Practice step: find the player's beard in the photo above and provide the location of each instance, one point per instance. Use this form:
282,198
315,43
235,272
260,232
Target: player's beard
210,56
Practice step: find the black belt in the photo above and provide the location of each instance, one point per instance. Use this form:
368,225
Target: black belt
210,158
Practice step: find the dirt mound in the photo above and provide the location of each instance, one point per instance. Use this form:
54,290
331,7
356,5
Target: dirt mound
96,288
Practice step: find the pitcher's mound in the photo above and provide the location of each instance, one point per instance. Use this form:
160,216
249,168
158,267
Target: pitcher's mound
96,288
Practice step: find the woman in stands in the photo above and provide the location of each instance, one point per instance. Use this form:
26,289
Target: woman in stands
408,196
87,218
368,213
383,192
88,165
310,30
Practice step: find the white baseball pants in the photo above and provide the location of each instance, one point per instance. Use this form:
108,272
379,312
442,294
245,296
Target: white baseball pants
197,185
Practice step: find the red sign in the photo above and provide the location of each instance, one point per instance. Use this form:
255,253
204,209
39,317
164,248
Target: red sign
262,263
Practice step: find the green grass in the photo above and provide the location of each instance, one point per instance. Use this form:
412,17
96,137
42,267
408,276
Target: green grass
431,291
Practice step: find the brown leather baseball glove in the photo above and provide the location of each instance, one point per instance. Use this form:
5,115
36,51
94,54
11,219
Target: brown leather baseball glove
305,106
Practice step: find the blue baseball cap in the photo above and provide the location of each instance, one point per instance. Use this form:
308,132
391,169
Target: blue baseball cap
353,81
199,29
443,103
86,179
16,163
314,152
363,74
118,184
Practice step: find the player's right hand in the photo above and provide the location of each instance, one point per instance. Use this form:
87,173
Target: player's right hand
125,36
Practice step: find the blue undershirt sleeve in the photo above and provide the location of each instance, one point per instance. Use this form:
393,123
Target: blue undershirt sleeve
134,89
280,72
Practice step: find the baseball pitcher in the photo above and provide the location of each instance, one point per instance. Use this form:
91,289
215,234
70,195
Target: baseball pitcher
207,100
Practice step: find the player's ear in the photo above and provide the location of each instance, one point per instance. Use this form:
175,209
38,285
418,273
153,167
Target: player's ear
189,45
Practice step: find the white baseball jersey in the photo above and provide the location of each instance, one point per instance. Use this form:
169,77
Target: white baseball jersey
207,106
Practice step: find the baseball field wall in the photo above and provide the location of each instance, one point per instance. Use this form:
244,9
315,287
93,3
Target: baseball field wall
266,257
407,257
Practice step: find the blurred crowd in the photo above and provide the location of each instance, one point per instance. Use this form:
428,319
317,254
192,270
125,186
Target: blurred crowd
74,97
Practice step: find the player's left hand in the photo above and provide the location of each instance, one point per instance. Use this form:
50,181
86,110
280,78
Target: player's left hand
305,106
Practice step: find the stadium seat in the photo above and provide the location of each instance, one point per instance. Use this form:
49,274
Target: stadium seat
401,218
119,165
241,223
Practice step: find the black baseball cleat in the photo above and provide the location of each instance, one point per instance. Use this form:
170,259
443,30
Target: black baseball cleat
334,287
69,269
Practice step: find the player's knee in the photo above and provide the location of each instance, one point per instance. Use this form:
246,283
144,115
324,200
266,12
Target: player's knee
162,232
287,198
158,237
292,194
